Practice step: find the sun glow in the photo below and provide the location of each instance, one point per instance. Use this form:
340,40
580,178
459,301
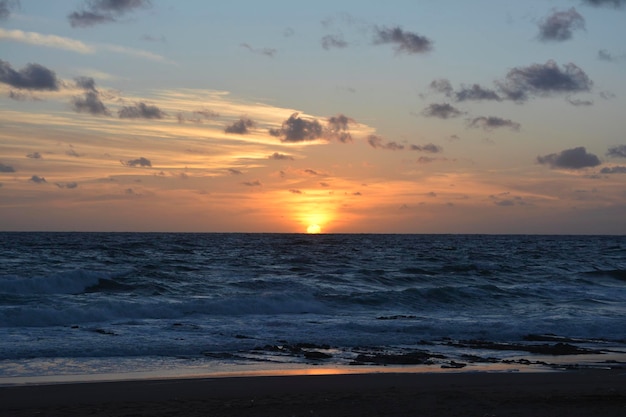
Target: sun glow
313,229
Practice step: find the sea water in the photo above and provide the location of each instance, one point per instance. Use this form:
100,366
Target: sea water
84,304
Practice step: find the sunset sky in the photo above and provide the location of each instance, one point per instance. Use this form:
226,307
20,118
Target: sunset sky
429,116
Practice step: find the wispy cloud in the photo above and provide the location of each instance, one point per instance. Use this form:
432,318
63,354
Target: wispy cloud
68,44
49,41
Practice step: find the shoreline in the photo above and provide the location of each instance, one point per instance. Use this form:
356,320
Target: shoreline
574,393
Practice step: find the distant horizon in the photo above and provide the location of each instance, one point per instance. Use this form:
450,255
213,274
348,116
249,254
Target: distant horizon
315,234
331,117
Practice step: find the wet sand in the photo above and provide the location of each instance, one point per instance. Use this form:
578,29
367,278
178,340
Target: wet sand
571,393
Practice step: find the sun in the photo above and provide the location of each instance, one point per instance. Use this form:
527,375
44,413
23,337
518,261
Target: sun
313,229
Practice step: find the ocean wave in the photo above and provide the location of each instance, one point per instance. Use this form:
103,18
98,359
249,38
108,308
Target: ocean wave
69,282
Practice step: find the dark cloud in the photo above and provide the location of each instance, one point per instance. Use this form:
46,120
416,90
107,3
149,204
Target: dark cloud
560,25
141,110
296,129
613,170
406,42
441,85
617,151
95,12
233,171
255,183
31,77
34,155
280,157
429,147
6,168
442,111
293,191
270,52
476,93
288,32
86,83
311,172
333,41
575,158
37,179
378,142
543,80
6,7
90,103
493,122
240,127
139,162
600,3
68,185
339,128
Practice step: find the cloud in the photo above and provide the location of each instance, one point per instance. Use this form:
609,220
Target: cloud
617,151
441,85
293,191
544,80
338,128
475,93
333,41
141,110
492,122
6,168
600,3
86,83
378,142
406,42
575,158
37,179
141,162
240,127
58,42
442,111
578,102
104,11
605,55
297,129
150,38
6,7
269,52
280,157
50,41
34,155
68,185
559,26
614,170
90,103
233,171
429,147
31,77
255,183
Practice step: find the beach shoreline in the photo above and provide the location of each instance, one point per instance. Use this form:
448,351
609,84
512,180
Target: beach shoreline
574,393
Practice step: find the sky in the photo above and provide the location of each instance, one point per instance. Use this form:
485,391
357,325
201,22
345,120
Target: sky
430,116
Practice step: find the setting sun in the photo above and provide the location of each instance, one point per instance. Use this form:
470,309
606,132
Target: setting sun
313,229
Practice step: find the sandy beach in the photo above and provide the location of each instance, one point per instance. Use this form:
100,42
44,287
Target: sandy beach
571,393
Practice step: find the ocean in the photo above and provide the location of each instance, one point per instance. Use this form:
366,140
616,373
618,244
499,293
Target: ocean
104,305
